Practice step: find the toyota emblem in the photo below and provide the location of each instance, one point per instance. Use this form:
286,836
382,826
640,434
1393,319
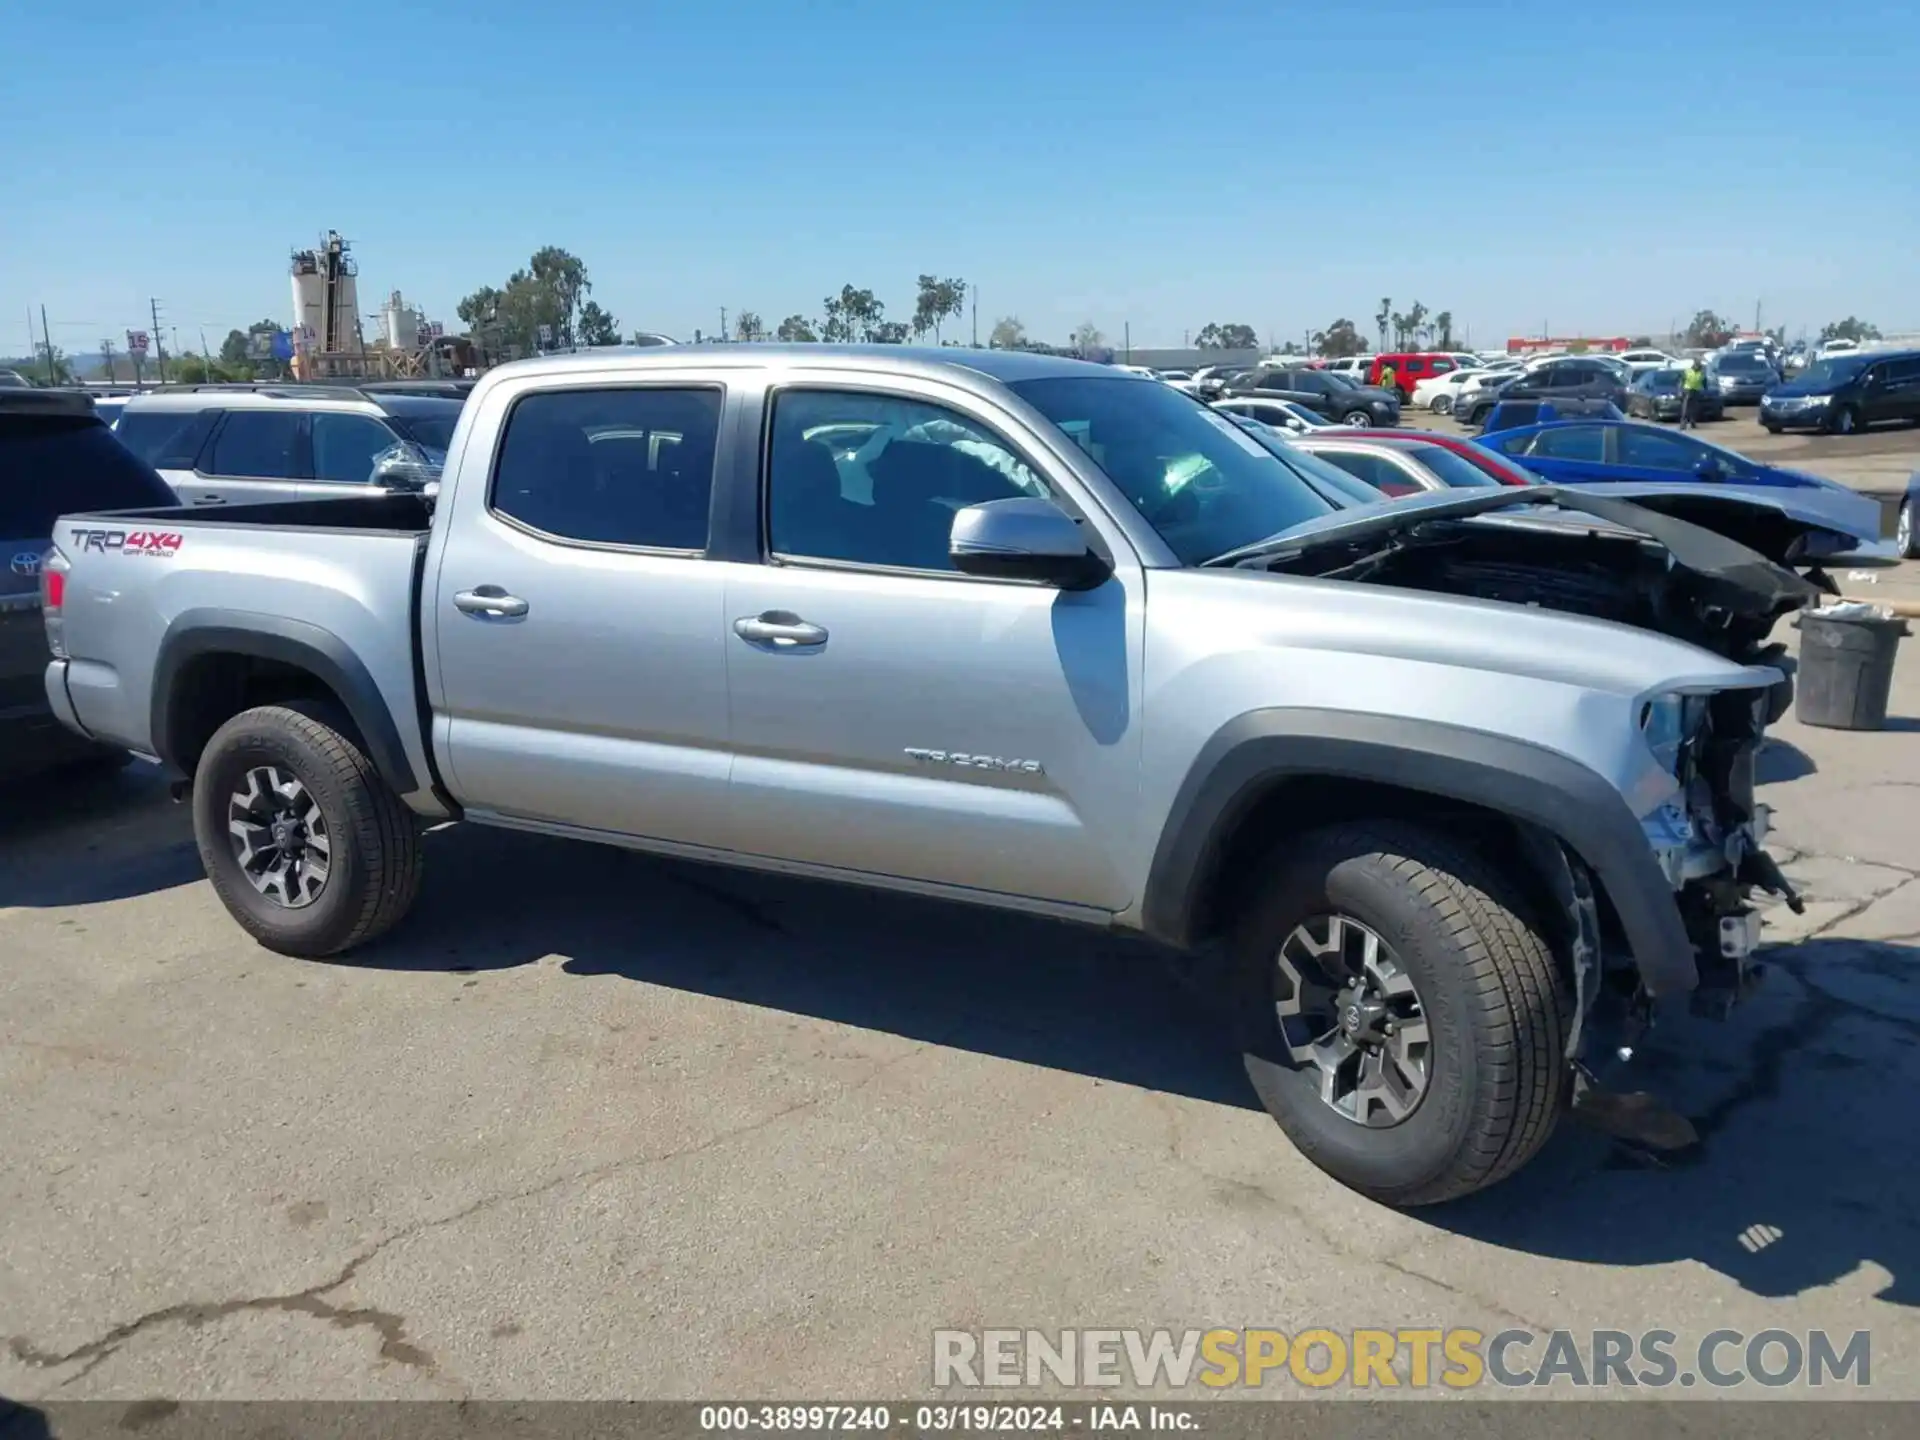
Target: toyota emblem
27,562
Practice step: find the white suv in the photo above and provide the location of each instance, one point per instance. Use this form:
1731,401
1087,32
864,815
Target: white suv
219,445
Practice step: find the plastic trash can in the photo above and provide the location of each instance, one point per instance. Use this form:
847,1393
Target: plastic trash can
1846,669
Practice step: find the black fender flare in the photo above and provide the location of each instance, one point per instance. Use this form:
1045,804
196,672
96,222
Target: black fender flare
324,655
1516,778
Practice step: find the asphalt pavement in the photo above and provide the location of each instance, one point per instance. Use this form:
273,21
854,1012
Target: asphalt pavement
598,1125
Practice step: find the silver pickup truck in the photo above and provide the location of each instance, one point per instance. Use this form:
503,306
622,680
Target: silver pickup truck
1009,629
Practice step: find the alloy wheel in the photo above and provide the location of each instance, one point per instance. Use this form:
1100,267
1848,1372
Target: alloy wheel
1358,419
279,837
1347,1006
1903,530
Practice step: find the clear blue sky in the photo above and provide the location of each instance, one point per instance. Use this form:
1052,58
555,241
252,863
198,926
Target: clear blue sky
1602,167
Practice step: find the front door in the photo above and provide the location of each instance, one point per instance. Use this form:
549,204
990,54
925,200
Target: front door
895,717
579,643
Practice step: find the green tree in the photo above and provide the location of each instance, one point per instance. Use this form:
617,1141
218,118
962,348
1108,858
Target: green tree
1443,324
1416,318
1858,331
852,315
191,369
550,291
1338,340
1381,317
1086,338
938,300
597,327
1008,333
747,327
1708,331
798,329
237,348
35,367
1227,337
890,332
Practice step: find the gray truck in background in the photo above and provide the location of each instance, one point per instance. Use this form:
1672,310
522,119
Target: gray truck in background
1008,629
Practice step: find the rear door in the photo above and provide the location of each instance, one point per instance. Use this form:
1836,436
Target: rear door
578,638
254,455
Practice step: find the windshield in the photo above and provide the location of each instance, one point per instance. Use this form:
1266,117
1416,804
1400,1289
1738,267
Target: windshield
1744,362
1345,377
1455,471
1661,382
1834,370
1204,483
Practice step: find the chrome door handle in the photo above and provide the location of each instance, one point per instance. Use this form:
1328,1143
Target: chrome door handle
780,629
489,600
209,499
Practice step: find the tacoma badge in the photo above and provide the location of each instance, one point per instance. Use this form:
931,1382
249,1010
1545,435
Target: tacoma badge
976,762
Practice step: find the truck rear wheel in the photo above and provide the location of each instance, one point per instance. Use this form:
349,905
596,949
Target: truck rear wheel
307,847
1403,1018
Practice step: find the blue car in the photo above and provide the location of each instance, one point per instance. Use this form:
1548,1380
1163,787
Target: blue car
1625,455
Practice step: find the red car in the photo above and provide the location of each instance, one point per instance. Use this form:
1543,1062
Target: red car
1410,367
1407,462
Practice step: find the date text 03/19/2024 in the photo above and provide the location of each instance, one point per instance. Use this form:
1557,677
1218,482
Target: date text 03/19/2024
961,1418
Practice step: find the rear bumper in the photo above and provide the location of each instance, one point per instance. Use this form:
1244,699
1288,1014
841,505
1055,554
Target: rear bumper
59,701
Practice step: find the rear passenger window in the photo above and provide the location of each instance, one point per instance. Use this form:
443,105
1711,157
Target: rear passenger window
877,480
257,443
165,439
612,467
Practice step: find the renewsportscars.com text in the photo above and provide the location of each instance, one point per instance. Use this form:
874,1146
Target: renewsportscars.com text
1454,1359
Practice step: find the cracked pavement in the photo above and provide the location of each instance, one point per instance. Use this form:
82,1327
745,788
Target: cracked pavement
595,1125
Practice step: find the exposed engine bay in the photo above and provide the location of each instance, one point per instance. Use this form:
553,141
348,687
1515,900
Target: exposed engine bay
1602,573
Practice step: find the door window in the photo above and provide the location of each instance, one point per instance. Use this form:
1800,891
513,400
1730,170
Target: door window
611,467
260,444
877,479
1658,451
166,439
344,446
1570,442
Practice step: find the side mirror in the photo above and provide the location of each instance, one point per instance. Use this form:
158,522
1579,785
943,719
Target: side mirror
1024,539
403,469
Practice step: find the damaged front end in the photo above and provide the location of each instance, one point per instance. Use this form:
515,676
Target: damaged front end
1709,839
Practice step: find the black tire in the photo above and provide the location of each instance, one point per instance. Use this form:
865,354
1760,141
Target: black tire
1497,1002
1906,531
374,869
1845,421
1357,419
1442,405
1771,429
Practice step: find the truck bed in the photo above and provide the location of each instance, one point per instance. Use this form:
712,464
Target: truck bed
395,513
150,591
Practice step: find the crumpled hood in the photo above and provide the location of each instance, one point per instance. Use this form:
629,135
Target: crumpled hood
1761,517
1743,580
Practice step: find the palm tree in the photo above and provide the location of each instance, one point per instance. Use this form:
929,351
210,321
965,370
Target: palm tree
1381,317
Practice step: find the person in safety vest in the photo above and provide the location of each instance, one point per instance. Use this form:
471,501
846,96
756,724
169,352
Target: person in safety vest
1693,391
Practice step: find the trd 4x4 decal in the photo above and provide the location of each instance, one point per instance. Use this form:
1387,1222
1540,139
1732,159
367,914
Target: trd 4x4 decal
163,543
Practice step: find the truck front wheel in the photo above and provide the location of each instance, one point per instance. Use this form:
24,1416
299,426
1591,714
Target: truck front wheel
1403,1018
307,847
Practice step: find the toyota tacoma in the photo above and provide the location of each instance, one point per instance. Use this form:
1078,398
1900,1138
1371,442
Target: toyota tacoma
1443,783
